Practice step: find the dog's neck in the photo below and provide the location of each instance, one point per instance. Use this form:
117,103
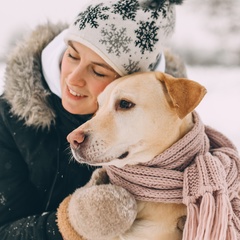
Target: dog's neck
181,128
186,126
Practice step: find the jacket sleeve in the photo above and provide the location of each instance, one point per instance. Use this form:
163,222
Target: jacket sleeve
21,216
42,227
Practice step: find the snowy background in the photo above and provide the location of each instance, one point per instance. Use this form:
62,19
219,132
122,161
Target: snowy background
207,36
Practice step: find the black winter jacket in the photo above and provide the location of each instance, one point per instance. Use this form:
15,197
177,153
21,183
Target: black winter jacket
36,168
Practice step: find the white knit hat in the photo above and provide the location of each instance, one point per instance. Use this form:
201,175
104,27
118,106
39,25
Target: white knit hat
127,34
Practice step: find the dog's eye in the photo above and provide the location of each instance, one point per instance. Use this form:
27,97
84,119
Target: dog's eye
124,104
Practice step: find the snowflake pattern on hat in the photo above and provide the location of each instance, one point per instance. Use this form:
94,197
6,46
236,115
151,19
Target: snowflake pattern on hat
152,66
126,8
115,40
155,12
91,15
169,27
125,33
132,66
146,36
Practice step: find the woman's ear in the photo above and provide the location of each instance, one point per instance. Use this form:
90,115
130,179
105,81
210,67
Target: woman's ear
185,94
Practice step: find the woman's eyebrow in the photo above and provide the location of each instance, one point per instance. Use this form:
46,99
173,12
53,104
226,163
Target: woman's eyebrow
103,65
95,63
71,45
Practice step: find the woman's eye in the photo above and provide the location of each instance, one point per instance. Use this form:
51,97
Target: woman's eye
98,74
72,57
124,104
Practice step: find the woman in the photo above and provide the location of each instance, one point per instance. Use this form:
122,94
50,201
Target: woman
51,87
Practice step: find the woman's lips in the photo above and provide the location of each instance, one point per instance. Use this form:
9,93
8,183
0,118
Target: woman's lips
75,94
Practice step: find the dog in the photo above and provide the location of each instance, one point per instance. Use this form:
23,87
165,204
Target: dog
139,117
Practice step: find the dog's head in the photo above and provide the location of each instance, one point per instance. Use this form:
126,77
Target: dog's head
139,116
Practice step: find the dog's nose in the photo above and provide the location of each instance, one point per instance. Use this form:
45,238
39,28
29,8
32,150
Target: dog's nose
76,137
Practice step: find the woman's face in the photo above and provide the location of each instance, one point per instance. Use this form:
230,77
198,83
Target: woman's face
84,75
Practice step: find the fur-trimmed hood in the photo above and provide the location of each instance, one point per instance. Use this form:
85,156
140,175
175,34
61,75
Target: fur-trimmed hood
25,88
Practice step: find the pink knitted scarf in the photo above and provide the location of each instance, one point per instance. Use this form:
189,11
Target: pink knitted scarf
201,170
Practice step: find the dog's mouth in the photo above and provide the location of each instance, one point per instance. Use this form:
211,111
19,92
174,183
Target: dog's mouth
119,156
124,155
98,160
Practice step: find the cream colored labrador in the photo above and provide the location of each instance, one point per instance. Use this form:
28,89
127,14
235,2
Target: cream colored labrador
139,117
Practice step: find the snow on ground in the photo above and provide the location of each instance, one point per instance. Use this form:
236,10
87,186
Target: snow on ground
220,106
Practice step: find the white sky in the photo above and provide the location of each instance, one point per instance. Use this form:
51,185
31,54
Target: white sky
25,14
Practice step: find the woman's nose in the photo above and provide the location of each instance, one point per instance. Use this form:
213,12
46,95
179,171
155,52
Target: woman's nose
77,76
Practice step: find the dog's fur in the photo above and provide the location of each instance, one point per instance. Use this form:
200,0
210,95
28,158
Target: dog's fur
139,117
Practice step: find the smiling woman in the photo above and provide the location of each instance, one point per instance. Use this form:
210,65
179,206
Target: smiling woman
83,76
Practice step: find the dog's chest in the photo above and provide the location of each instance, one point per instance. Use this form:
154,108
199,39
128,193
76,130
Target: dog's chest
156,221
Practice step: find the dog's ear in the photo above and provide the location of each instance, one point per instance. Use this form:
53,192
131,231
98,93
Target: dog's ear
185,94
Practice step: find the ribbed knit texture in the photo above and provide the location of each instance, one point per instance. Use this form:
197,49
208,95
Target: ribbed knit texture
201,170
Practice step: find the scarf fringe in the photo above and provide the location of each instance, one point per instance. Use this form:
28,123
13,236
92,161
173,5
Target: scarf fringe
206,217
191,224
211,220
231,234
200,220
221,223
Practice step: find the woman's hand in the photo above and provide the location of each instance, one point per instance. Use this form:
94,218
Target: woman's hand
98,212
